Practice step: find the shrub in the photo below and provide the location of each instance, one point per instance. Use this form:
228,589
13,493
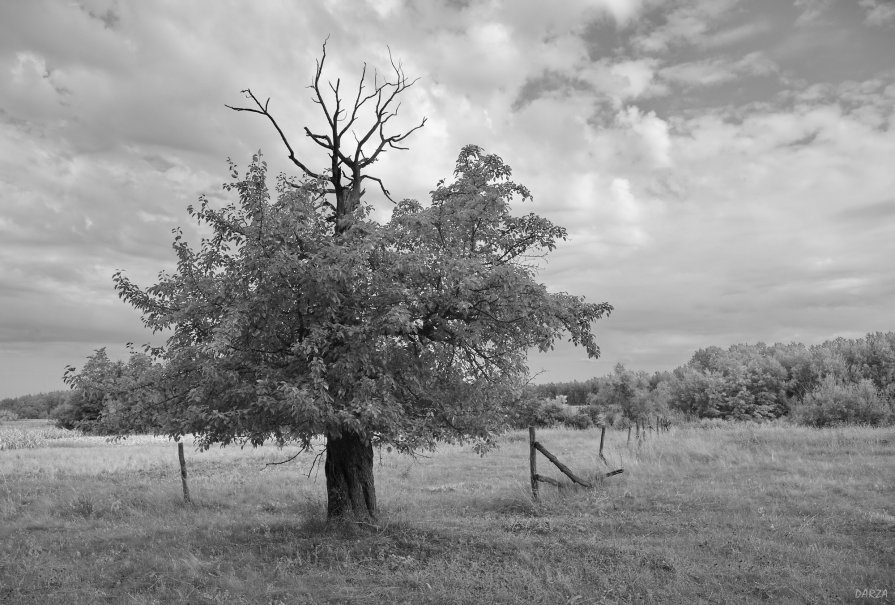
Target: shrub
596,414
833,402
544,413
549,413
575,419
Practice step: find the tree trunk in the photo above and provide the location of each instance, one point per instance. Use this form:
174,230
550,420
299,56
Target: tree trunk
349,478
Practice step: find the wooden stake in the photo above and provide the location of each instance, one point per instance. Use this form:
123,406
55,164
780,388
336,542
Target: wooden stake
186,488
602,437
533,462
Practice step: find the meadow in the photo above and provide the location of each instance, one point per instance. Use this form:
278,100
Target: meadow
724,513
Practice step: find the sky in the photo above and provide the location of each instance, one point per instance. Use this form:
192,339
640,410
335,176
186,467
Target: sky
725,168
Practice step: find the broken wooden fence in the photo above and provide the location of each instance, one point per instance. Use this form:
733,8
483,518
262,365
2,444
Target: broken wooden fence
642,426
535,447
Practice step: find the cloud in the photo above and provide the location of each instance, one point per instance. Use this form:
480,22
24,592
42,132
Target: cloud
878,13
637,75
873,215
630,212
717,70
690,23
743,217
734,35
548,83
652,133
811,12
623,11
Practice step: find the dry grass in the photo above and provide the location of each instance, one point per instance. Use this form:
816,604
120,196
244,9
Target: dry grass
726,514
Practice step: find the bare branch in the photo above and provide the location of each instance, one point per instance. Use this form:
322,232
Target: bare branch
303,449
381,186
345,168
262,110
323,140
358,102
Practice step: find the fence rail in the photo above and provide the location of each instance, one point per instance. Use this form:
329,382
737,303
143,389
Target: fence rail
535,446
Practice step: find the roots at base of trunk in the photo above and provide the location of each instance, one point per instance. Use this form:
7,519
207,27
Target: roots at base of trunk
350,493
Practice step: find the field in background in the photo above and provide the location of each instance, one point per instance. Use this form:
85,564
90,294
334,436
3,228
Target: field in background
740,513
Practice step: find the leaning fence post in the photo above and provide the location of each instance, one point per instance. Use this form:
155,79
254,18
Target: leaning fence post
186,488
533,462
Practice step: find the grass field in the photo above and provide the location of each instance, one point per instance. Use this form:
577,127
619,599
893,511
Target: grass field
736,514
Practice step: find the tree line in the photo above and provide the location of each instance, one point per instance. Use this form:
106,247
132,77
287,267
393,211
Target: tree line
36,405
841,381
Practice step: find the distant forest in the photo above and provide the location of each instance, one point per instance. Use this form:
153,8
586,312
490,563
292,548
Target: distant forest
41,405
841,381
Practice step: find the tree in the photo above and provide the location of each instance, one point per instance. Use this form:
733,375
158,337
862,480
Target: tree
107,396
403,334
835,402
90,388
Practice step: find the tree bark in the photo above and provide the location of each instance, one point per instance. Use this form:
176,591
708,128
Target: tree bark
350,492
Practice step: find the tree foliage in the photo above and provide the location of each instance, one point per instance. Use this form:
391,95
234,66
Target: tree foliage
406,332
834,402
106,396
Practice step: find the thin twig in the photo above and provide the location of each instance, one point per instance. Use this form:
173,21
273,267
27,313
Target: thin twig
303,449
314,463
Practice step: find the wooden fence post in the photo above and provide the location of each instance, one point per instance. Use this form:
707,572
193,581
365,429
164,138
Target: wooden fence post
602,438
533,462
186,488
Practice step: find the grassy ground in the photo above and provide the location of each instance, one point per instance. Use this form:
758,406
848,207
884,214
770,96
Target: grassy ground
724,515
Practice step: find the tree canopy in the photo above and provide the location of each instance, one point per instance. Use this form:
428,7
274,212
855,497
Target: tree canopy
406,332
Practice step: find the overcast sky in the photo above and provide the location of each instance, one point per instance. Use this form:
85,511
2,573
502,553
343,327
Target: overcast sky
726,169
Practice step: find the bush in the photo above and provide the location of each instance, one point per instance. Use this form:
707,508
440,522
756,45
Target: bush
596,414
545,413
833,402
576,419
537,412
549,413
